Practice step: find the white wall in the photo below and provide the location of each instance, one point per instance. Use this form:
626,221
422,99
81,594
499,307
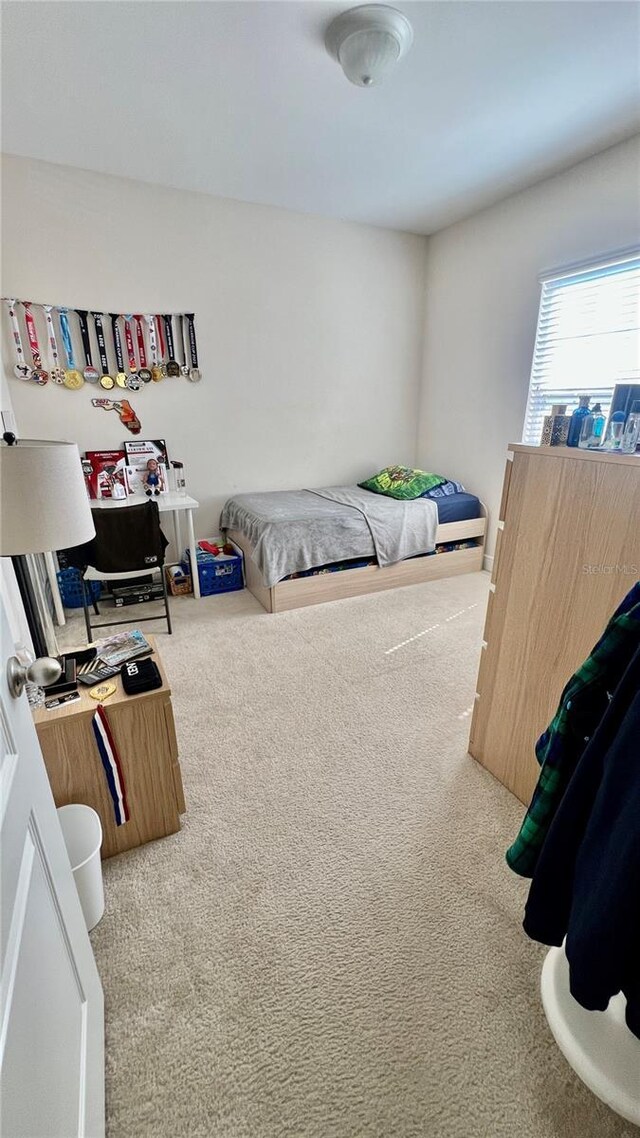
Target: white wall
310,331
482,297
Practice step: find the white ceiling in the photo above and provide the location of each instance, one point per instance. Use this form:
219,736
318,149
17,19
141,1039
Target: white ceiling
242,100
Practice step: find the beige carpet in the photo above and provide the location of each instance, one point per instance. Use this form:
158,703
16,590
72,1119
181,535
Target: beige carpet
331,948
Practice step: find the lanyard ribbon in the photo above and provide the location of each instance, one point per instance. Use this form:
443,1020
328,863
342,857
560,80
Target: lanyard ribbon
140,340
32,334
102,347
51,332
183,346
17,338
131,352
84,332
112,765
192,338
117,342
153,343
66,337
168,327
160,337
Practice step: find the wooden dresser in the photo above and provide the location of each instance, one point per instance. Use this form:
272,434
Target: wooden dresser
144,734
568,551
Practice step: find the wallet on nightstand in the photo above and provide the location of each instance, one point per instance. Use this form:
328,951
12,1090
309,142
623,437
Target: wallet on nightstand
139,676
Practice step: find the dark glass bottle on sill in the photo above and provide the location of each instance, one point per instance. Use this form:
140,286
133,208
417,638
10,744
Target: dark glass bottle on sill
575,426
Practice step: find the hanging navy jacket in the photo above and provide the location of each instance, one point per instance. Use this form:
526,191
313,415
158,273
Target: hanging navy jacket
587,881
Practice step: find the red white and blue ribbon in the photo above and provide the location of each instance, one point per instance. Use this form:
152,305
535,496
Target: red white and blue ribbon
111,764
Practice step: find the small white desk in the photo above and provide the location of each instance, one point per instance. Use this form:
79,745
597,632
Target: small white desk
167,503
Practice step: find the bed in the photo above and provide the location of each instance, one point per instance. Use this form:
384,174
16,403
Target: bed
306,547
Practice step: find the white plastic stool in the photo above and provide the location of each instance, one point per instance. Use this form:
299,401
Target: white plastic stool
598,1045
82,833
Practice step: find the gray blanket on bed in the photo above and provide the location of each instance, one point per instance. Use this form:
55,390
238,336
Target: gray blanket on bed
292,530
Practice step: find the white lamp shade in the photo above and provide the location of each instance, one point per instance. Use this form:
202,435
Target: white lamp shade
43,498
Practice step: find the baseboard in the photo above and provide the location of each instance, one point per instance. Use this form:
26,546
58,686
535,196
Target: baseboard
487,563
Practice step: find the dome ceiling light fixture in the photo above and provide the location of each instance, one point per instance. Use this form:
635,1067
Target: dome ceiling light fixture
368,42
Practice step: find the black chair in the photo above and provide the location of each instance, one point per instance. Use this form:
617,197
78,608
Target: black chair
129,543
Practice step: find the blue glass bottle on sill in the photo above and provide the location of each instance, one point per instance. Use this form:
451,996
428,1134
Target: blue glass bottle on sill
575,426
592,432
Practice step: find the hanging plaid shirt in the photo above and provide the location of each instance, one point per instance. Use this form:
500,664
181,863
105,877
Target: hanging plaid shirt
582,705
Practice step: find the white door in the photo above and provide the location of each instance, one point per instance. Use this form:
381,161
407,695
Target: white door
52,1009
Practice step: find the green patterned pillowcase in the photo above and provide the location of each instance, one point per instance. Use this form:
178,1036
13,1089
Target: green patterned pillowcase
402,482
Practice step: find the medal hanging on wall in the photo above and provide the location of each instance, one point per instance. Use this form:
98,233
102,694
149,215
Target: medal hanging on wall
143,370
134,383
107,381
173,367
38,375
163,367
156,370
184,367
21,369
56,372
121,375
90,373
195,374
73,378
160,362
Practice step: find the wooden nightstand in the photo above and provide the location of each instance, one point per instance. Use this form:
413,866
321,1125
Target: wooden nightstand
144,734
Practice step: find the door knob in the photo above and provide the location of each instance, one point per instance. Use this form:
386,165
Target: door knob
43,672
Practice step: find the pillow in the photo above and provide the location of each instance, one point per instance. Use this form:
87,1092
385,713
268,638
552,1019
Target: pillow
402,482
444,490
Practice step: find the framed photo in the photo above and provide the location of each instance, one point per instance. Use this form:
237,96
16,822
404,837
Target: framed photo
106,477
147,466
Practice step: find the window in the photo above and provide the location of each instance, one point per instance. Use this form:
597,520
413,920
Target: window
588,338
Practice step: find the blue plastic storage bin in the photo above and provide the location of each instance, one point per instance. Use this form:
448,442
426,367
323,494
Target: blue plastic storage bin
70,585
223,574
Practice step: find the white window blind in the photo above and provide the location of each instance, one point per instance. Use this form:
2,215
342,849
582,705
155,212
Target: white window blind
588,339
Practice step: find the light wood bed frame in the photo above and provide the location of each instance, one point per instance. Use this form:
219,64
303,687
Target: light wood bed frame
303,591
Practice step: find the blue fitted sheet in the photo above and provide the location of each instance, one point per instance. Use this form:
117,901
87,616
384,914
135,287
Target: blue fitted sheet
457,508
